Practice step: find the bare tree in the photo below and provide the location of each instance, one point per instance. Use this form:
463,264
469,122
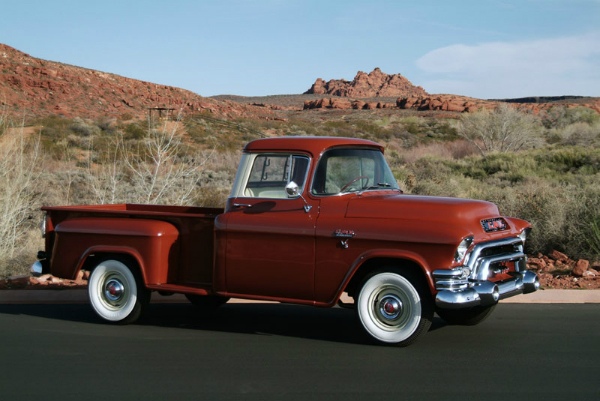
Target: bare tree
19,157
162,169
156,170
107,178
504,129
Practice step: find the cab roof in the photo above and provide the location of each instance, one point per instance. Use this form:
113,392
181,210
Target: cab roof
315,145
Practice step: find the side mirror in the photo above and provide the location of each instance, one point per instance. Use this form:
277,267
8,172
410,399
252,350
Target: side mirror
292,190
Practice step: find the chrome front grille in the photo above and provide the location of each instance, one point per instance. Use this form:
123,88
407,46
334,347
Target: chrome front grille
481,263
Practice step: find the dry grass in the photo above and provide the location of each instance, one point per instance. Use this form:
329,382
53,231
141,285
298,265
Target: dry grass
19,180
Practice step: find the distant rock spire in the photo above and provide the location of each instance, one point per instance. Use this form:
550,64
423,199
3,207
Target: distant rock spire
374,84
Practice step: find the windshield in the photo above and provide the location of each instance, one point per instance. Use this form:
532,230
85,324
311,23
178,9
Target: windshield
351,170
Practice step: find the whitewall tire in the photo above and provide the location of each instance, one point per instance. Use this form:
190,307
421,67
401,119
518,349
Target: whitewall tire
392,309
116,294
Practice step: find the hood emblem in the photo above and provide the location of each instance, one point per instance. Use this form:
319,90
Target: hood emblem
497,224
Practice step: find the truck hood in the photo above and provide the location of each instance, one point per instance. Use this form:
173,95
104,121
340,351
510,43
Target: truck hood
425,209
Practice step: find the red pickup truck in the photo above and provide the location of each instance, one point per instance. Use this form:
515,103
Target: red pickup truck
308,219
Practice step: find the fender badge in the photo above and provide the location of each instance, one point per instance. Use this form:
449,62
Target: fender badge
339,233
345,235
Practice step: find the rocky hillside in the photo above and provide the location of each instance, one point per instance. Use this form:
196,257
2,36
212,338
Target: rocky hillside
374,84
378,90
31,87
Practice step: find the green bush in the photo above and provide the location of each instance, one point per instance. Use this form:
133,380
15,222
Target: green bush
560,116
504,129
557,190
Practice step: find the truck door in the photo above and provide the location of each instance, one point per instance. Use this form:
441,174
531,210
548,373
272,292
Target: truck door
270,237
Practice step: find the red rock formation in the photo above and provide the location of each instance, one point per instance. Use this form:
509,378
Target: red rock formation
444,103
33,87
373,84
344,104
464,104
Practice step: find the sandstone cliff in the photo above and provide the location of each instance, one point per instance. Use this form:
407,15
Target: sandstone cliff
31,87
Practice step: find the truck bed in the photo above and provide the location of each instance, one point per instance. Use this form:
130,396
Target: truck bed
190,259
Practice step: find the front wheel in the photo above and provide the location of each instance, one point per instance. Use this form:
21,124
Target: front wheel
394,309
116,293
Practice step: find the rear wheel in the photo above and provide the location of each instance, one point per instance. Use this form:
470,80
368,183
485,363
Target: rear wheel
394,308
466,317
116,292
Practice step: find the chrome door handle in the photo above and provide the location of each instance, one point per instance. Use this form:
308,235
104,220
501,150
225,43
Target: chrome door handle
248,205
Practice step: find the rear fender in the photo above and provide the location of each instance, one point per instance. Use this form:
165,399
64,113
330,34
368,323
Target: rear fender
152,243
94,255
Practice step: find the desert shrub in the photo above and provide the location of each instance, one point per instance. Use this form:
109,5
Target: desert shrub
436,177
159,168
107,125
545,206
84,128
557,190
585,231
503,129
565,163
134,130
500,168
592,237
340,128
221,134
560,116
126,117
580,134
54,130
413,124
212,197
19,158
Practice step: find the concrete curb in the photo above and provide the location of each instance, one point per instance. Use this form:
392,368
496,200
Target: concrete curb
556,297
78,295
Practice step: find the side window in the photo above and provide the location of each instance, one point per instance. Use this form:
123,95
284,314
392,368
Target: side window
349,170
345,171
271,173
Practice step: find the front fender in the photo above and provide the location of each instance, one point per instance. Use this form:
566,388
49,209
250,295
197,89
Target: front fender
372,259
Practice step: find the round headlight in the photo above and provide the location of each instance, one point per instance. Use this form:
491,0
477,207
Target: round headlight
463,247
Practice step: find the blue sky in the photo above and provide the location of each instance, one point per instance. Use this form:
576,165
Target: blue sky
480,48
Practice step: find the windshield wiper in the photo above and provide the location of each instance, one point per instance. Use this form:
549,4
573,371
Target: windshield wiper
380,185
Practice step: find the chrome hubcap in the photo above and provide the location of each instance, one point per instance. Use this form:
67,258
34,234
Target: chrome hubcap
390,307
113,290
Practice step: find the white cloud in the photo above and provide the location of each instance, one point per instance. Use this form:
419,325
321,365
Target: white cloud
560,66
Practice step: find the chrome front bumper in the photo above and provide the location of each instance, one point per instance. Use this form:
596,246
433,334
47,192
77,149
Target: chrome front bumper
469,285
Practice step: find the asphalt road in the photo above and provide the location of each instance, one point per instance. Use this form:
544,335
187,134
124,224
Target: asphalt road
284,352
